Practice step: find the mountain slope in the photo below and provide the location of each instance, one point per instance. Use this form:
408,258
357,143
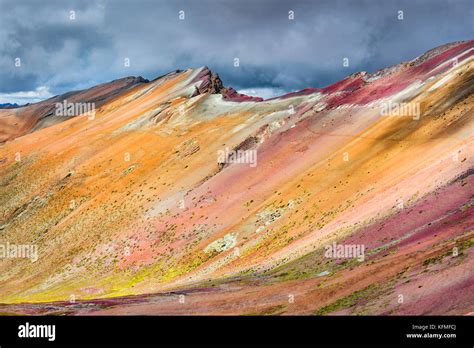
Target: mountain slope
145,200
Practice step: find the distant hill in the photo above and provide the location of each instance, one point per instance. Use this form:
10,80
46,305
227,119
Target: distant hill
41,115
8,106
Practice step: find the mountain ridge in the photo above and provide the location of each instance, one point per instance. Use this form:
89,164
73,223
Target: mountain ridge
210,83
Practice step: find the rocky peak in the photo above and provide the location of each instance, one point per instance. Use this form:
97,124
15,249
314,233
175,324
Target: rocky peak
210,82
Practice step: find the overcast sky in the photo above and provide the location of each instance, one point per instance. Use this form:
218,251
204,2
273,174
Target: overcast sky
276,54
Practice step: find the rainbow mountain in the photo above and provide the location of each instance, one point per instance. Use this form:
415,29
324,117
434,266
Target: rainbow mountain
182,196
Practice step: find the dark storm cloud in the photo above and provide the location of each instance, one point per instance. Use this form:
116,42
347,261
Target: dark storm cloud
64,54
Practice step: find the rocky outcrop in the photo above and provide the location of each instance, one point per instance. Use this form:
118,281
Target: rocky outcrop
209,82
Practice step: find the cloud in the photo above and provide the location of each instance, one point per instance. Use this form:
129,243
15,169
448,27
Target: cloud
274,51
264,92
21,98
